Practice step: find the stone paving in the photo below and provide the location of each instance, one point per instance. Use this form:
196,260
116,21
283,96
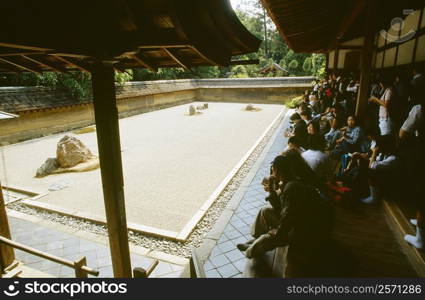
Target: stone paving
71,247
225,260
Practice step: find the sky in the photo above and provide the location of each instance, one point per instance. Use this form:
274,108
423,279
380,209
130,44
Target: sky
236,3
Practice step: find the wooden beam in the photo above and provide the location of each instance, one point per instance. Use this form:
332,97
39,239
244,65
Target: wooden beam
415,47
72,63
367,58
175,58
20,66
7,254
245,62
108,140
358,8
42,63
143,62
200,54
9,45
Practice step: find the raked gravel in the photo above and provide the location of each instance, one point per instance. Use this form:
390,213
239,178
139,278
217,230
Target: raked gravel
181,249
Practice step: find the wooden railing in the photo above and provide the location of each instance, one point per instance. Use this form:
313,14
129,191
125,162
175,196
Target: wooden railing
81,270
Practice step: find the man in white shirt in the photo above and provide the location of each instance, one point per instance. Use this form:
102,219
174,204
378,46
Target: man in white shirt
413,130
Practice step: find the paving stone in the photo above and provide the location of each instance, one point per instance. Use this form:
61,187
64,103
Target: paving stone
233,234
226,246
176,274
161,269
223,239
54,245
219,260
208,266
234,255
228,271
106,272
103,262
212,274
216,251
240,240
240,264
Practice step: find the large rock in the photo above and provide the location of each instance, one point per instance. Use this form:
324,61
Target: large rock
49,166
71,151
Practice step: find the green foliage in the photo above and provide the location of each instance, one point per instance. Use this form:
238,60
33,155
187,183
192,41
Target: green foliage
307,65
294,102
293,65
123,77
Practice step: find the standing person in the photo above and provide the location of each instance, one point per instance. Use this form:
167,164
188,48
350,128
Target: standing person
297,216
417,85
412,144
385,121
400,107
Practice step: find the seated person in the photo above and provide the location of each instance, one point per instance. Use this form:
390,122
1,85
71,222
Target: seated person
293,144
317,159
299,130
349,139
297,215
382,169
336,119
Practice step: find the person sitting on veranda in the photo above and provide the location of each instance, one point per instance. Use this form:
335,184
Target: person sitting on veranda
383,167
336,119
349,139
298,129
297,215
317,159
293,144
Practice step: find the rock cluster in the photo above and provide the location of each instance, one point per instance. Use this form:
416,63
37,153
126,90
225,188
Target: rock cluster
70,152
250,107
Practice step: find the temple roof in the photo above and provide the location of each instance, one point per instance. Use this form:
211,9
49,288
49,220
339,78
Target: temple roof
37,36
317,26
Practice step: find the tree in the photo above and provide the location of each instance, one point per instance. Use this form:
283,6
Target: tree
293,65
307,65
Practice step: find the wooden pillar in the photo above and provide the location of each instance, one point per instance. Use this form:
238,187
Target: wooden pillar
108,139
7,255
366,59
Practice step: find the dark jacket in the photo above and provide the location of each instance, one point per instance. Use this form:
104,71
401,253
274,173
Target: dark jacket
305,216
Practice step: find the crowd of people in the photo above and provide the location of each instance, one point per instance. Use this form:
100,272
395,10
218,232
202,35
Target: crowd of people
331,154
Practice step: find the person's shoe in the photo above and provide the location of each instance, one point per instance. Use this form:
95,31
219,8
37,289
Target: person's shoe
414,222
373,198
416,241
243,246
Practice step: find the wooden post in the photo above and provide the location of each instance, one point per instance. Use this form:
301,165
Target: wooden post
7,254
366,59
108,139
79,273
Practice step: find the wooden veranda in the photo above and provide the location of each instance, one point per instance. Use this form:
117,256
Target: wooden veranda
101,37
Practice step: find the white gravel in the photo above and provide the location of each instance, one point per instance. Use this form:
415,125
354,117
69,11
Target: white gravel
160,244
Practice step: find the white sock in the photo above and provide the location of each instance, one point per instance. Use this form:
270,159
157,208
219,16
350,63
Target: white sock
418,240
414,222
373,198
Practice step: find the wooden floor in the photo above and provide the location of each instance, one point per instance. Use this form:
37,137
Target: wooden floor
370,247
